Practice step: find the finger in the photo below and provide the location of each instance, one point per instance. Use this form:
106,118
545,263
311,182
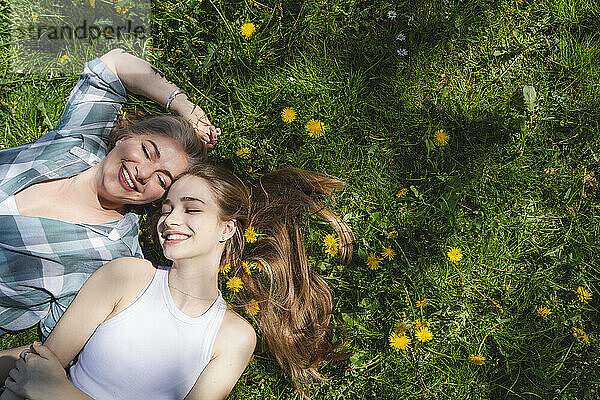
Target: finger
41,350
24,354
20,364
213,133
11,384
14,374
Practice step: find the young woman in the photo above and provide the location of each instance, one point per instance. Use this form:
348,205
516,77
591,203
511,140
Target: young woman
165,332
64,200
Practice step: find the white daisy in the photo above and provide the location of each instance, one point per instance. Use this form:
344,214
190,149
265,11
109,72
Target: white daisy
402,52
400,36
392,14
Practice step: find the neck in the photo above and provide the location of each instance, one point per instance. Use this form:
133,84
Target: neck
198,278
84,187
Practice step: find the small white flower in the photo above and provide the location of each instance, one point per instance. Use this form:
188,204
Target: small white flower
402,52
410,20
400,36
392,14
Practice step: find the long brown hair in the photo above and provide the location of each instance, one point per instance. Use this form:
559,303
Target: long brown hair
295,303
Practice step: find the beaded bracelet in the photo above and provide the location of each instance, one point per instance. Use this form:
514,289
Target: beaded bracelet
172,97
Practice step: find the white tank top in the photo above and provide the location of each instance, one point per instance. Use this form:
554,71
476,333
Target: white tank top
150,350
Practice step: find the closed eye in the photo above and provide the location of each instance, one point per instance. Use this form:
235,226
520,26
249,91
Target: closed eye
146,151
162,182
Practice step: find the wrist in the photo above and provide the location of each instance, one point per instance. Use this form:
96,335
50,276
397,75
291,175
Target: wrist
180,104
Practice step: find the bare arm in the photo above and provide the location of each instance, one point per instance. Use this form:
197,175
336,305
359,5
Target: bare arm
232,350
43,377
142,78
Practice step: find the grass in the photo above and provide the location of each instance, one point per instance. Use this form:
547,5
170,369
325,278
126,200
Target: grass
513,83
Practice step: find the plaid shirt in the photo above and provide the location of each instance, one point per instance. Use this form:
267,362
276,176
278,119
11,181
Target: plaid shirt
44,262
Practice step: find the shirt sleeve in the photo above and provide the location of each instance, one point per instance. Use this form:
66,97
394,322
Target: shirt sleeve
94,103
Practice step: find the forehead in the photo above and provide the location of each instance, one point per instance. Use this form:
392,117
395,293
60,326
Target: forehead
189,186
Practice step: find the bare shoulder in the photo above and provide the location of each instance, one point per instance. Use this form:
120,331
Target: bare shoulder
128,276
126,268
235,336
125,274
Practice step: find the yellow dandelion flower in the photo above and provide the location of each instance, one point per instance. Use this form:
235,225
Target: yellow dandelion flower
583,294
257,266
122,9
223,269
422,303
455,254
252,307
250,234
373,261
440,137
544,311
244,152
247,29
477,359
246,266
581,334
423,334
399,342
420,324
331,251
314,127
388,253
330,240
288,115
402,192
585,339
392,234
63,58
235,284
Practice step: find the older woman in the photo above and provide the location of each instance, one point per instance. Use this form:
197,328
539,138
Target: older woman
64,199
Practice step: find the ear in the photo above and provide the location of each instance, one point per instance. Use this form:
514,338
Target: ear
229,229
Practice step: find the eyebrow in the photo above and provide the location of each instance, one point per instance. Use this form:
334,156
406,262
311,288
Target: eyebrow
187,198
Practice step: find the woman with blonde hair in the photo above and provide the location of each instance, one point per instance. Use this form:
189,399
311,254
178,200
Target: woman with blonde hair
166,332
66,199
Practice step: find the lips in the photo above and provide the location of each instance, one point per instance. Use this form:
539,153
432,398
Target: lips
125,179
174,237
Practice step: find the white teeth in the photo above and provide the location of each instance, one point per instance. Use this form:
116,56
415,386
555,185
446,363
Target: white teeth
128,178
176,237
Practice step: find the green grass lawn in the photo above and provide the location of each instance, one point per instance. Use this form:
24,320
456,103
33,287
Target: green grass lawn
514,85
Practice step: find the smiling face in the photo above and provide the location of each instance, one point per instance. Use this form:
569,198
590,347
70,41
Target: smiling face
139,169
190,225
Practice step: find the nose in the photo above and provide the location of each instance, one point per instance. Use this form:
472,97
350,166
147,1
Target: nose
143,172
169,221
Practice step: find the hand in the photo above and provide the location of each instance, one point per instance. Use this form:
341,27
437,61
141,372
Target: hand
182,106
38,375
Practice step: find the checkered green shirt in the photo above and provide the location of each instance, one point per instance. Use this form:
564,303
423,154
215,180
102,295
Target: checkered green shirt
44,262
